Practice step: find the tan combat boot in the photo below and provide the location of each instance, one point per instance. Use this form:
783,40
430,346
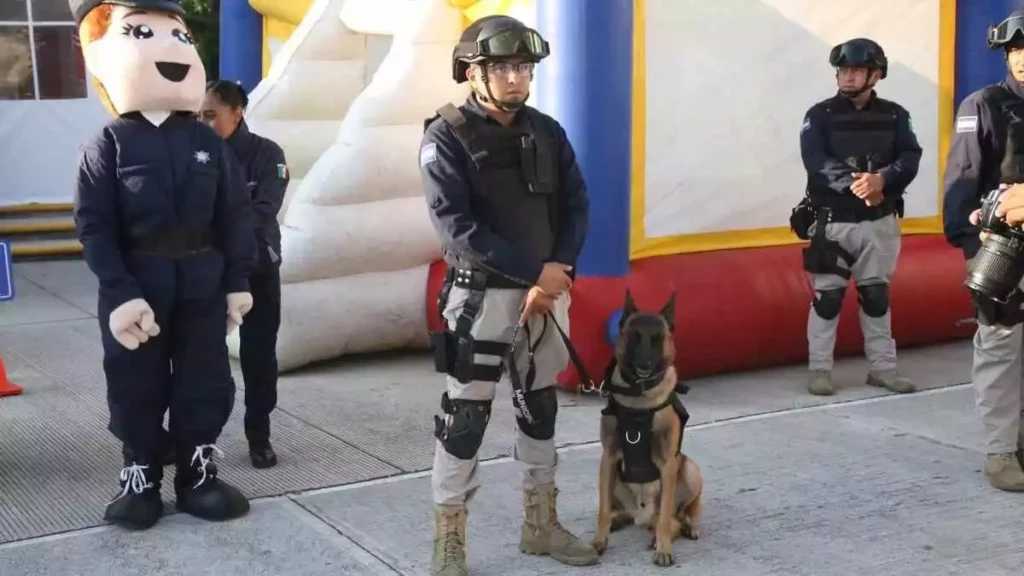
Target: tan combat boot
820,383
891,380
1004,472
544,535
449,542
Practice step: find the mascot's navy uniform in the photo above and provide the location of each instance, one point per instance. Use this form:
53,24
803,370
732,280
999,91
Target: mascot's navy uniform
165,220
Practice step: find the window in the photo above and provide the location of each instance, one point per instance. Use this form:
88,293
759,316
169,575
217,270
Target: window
40,58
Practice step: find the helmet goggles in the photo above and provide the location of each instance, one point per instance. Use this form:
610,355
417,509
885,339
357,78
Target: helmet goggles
526,43
854,54
1008,31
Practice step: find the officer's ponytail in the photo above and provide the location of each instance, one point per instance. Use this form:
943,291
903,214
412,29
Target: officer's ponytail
230,93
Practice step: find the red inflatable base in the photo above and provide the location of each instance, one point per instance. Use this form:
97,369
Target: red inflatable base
745,309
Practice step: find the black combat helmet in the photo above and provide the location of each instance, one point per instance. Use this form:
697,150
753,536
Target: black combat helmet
1009,31
860,52
496,37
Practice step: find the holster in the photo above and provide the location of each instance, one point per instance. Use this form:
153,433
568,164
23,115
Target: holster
454,350
822,255
801,218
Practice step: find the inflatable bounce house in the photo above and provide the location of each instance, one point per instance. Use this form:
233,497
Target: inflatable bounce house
685,115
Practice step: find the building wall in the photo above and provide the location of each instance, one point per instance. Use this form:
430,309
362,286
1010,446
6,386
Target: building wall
47,105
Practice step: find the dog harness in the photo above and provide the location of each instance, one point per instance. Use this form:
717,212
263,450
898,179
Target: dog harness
635,427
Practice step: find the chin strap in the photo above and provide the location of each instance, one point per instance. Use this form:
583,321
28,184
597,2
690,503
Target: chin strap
854,93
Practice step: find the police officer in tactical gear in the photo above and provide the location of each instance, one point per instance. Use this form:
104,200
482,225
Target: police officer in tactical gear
860,153
984,120
509,204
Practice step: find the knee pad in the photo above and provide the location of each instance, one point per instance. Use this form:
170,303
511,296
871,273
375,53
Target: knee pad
828,303
462,432
874,299
538,420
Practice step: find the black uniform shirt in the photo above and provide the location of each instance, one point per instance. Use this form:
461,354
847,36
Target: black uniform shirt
267,176
972,166
828,174
135,178
445,167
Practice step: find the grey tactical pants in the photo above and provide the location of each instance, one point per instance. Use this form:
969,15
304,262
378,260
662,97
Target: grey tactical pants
455,481
875,245
998,378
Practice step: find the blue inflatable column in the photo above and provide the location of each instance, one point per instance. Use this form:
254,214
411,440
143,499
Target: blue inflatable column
586,84
241,43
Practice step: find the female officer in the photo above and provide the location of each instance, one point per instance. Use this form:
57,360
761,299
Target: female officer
267,175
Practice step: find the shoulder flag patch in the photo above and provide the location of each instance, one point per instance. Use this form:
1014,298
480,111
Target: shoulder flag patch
282,171
428,154
965,124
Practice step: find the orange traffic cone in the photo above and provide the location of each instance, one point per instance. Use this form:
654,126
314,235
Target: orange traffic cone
7,388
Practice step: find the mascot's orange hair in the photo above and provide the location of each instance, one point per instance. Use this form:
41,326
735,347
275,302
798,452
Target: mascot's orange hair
93,27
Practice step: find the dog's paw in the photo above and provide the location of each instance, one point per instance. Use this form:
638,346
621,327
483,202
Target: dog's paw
599,544
664,559
690,532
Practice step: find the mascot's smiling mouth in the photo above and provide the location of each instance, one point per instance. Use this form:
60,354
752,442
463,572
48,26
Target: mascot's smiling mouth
173,71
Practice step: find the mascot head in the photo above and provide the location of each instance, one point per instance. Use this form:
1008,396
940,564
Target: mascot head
140,55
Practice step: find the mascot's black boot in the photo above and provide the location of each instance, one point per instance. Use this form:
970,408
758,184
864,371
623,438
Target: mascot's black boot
138,505
199,491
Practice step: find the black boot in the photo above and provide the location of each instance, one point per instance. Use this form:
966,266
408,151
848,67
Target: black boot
199,492
262,455
138,506
257,432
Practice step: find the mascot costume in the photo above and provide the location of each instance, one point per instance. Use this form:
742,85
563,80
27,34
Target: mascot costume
164,217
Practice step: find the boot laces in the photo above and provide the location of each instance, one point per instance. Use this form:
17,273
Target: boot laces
452,544
134,479
204,461
548,516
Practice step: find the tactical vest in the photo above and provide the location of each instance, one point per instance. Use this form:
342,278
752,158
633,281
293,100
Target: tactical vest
514,181
863,139
1010,110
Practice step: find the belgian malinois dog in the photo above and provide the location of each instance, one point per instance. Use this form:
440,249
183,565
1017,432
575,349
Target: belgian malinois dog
644,477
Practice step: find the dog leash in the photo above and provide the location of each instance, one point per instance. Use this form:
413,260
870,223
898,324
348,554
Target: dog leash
518,389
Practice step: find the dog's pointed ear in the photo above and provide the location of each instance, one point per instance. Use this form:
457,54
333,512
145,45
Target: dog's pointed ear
629,308
668,311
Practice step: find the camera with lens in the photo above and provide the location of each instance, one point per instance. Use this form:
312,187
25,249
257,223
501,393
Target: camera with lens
998,268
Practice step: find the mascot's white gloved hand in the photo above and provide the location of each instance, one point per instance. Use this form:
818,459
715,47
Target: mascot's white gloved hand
133,323
239,304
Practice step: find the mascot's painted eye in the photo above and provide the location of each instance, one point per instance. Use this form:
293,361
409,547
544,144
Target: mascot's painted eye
140,32
182,36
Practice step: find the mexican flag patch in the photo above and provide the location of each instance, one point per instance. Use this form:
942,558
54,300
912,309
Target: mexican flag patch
282,171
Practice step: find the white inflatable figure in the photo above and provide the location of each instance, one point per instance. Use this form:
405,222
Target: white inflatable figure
357,242
312,80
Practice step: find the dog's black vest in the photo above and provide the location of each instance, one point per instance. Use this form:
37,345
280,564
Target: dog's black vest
636,428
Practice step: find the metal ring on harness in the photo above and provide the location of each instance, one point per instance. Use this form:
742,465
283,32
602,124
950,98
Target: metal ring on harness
632,442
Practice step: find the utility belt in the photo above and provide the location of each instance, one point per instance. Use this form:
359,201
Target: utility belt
174,242
454,350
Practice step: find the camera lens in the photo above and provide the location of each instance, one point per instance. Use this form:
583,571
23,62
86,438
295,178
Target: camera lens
997,269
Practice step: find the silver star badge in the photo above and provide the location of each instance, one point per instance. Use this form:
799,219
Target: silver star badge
202,156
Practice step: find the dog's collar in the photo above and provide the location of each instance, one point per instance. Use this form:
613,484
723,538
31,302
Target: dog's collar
635,388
